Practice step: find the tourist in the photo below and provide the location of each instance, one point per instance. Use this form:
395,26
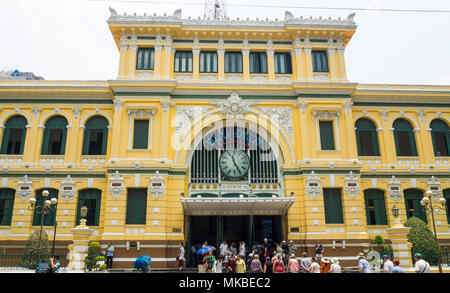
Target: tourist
387,264
274,257
231,268
314,267
180,256
242,250
396,268
293,265
278,265
319,250
266,249
240,265
363,264
255,266
305,263
194,255
249,261
226,259
109,255
257,249
218,265
285,248
232,248
280,250
200,262
335,267
325,266
205,244
210,260
268,266
421,265
223,248
292,248
54,265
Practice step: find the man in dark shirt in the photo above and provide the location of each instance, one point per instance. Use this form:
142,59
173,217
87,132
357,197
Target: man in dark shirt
319,251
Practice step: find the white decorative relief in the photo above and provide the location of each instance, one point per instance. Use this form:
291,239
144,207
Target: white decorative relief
352,184
185,115
259,78
234,106
435,187
283,79
313,187
67,191
116,186
394,191
183,77
25,188
283,116
233,78
208,77
157,186
144,75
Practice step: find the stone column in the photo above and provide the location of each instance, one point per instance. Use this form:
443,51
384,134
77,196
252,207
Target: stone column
196,64
246,64
132,55
79,248
309,75
123,61
270,64
400,245
221,64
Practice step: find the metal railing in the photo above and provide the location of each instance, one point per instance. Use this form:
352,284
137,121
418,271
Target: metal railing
14,261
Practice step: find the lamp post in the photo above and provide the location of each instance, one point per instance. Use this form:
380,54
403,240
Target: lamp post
396,213
43,209
427,204
83,214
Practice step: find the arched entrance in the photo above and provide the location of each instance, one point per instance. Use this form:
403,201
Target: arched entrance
235,191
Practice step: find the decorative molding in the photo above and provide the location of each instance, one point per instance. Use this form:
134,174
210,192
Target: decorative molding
67,191
183,77
185,115
435,187
394,190
303,106
144,75
166,105
118,105
421,114
36,112
116,187
348,107
352,184
384,114
313,187
76,112
25,188
234,106
157,186
283,116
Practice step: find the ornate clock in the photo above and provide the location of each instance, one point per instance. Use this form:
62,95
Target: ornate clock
234,163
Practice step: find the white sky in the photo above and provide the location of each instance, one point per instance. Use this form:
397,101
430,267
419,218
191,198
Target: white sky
70,39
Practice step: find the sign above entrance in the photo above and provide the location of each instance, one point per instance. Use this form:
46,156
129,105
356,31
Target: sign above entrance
236,206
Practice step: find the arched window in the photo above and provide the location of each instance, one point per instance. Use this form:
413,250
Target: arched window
367,138
49,218
440,134
412,204
95,136
6,206
14,136
447,205
405,143
55,133
375,207
91,198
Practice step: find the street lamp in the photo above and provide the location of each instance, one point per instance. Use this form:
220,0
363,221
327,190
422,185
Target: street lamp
396,213
427,203
83,214
43,209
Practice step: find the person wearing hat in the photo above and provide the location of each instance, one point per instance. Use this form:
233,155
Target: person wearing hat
54,264
325,266
249,261
266,248
363,264
255,265
285,248
315,267
293,265
421,266
397,268
387,264
335,267
292,247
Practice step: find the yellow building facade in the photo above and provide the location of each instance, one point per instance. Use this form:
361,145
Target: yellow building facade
320,157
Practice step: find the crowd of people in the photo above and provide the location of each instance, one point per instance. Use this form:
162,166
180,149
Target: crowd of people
279,258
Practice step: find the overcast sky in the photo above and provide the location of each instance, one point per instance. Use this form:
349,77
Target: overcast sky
70,39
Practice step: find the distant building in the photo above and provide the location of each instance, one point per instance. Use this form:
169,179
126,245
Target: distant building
17,75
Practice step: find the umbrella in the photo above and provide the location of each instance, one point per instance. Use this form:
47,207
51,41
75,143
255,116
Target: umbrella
142,262
204,250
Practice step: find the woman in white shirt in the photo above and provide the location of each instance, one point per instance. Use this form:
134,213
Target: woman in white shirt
218,265
335,267
242,250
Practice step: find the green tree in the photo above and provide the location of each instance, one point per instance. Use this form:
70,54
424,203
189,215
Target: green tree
92,257
30,253
422,240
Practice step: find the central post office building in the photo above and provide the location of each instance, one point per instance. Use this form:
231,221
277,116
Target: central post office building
223,129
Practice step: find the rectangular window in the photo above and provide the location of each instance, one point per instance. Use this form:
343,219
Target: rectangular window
404,144
54,142
258,62
208,62
326,135
283,63
136,206
233,62
140,134
441,143
320,61
91,199
367,149
6,209
333,206
183,61
375,210
145,59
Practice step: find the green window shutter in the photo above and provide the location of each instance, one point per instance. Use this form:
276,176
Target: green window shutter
5,141
366,138
333,206
140,134
283,63
57,124
45,141
91,198
145,59
263,62
377,197
446,193
14,127
233,62
405,142
412,204
440,134
326,135
136,206
95,136
6,206
49,218
320,61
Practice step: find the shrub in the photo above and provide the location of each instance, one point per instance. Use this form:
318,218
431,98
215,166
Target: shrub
379,240
30,253
422,240
103,267
93,253
94,244
100,258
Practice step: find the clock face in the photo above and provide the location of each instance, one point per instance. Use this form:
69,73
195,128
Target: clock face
234,163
